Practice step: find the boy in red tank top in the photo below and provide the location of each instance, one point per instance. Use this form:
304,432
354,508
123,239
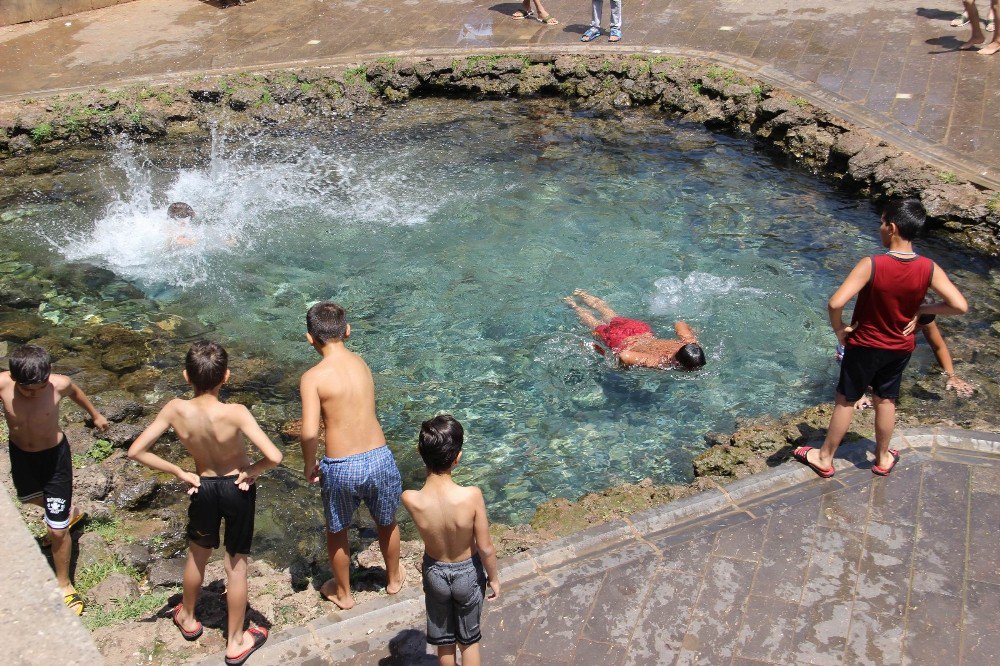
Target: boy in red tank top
890,288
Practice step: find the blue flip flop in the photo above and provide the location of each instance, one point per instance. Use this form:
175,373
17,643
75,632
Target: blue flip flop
591,34
615,35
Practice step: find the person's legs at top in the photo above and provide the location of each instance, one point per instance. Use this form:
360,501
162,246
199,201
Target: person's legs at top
885,423
338,588
607,314
194,576
977,37
388,543
238,641
62,551
470,654
616,20
597,6
446,655
543,15
994,45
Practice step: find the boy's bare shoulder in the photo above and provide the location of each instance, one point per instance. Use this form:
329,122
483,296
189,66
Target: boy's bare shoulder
236,411
471,494
61,382
6,379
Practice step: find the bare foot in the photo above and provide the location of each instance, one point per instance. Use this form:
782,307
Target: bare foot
327,592
973,42
570,301
394,586
990,49
580,292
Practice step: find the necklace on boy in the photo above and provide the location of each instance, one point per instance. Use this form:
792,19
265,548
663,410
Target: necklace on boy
901,253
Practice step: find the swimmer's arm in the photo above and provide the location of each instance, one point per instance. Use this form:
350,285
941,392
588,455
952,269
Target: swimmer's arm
484,543
76,394
642,359
272,456
952,303
140,449
855,282
311,414
934,338
684,332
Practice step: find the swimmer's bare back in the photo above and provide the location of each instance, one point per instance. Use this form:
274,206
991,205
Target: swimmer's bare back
340,389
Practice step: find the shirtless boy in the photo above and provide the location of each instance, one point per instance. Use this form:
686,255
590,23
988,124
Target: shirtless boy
358,465
632,341
221,487
452,522
890,288
41,464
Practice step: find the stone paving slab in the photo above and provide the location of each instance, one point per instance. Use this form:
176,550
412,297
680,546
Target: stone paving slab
786,568
889,67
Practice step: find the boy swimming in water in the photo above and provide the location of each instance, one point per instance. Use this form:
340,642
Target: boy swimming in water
459,557
41,464
633,341
222,487
358,465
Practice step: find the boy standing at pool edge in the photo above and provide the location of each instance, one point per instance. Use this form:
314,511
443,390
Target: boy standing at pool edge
452,522
358,465
222,487
890,288
41,464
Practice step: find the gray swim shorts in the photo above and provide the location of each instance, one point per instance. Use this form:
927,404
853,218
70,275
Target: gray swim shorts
454,593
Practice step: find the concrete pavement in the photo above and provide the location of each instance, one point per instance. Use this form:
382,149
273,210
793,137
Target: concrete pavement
779,568
891,67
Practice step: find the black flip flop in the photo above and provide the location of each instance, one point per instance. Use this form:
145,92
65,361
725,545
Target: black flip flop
259,637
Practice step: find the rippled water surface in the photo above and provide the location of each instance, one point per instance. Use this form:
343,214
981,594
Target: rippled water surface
451,232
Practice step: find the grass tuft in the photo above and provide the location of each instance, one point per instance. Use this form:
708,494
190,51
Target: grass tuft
127,610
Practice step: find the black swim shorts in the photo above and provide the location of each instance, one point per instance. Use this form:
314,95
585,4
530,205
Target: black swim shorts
881,369
47,474
220,498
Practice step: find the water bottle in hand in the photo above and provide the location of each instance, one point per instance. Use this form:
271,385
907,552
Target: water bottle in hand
840,353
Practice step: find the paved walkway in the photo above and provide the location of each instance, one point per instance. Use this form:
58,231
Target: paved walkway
780,568
890,66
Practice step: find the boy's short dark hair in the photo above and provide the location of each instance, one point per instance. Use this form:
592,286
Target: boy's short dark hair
326,321
206,364
690,356
908,215
30,364
179,210
440,442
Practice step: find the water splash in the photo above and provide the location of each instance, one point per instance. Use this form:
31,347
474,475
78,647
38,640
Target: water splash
676,296
245,193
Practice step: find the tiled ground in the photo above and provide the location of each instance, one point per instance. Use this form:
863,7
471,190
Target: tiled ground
895,63
858,569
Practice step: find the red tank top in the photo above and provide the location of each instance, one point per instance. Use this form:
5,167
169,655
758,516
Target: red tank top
888,302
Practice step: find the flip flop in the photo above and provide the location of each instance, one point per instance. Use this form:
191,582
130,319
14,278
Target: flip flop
884,471
188,635
591,34
801,454
74,602
615,35
960,21
549,20
520,15
259,636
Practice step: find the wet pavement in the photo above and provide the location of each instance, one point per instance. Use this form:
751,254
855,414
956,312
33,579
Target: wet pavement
779,568
892,67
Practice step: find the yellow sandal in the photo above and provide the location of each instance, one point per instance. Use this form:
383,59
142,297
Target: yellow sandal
74,602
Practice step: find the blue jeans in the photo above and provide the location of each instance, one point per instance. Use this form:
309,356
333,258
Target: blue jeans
616,13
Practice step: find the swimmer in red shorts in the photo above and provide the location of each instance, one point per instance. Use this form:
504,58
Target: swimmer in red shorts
633,341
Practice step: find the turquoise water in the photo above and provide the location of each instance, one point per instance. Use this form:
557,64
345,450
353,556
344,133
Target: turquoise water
451,232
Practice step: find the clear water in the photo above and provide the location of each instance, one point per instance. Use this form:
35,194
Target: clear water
451,232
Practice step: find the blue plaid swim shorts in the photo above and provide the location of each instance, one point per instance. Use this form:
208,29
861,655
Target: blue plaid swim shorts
371,476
